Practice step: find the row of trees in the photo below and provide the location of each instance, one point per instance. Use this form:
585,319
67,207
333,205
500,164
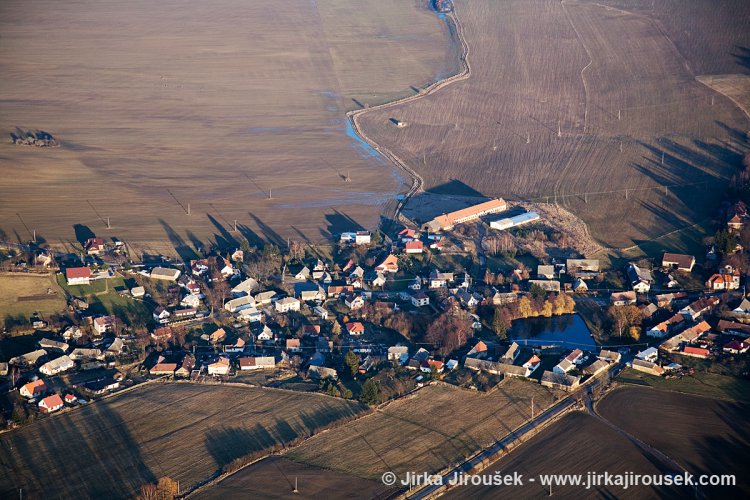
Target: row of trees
531,306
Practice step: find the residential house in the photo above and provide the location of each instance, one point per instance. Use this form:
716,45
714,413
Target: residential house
666,299
734,328
510,354
556,380
596,368
191,301
699,307
104,324
100,386
238,346
245,287
337,290
94,246
28,359
293,345
310,292
72,333
622,298
354,302
219,367
53,345
414,247
398,354
165,274
218,336
303,274
138,292
265,334
287,304
116,347
70,399
678,261
200,267
162,334
51,404
580,286
468,299
531,365
83,354
33,389
407,235
640,278
546,272
569,362
251,315
265,298
723,281
355,328
321,312
649,354
736,347
161,315
438,279
743,307
420,299
184,314
313,330
186,367
193,288
225,267
59,365
389,265
78,275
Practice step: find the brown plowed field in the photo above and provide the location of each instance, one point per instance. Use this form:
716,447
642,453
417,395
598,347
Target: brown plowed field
618,89
217,102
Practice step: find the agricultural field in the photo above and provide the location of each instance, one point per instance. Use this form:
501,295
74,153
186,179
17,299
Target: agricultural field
706,436
24,294
183,431
575,444
436,427
158,106
274,477
573,97
707,384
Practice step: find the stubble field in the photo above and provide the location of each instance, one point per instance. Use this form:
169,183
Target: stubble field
566,98
183,431
438,426
218,104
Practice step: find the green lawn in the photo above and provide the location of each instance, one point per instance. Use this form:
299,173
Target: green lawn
16,289
703,384
103,298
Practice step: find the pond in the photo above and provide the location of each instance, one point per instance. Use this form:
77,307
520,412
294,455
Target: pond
568,330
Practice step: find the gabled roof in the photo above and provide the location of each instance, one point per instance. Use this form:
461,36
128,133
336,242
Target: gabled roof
77,272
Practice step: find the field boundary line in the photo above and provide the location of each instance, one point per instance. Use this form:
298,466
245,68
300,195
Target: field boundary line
701,78
354,115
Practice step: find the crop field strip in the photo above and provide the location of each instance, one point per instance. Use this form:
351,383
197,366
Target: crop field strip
185,431
437,427
222,106
586,100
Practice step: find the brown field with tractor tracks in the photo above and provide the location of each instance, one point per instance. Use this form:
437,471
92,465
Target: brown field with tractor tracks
438,426
184,431
158,106
573,97
576,444
704,435
275,477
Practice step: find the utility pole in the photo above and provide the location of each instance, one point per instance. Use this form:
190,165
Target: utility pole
559,131
528,138
295,485
270,194
235,225
532,407
619,116
620,145
35,236
662,157
188,212
108,226
626,194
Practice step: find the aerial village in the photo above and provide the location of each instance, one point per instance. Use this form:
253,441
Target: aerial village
379,315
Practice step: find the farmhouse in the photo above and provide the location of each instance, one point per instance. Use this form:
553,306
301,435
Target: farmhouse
33,389
650,354
446,222
100,386
287,304
515,221
83,353
532,364
736,347
510,354
220,367
186,367
568,362
94,246
29,359
699,307
78,275
695,352
678,261
609,356
53,345
51,403
165,274
559,381
647,367
59,365
389,265
245,288
596,367
640,278
257,363
414,247
163,369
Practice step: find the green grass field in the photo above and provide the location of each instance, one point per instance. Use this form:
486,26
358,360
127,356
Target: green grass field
15,287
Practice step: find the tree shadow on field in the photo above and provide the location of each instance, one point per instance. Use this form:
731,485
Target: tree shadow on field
224,238
184,250
269,235
736,134
742,56
88,453
339,222
457,188
83,233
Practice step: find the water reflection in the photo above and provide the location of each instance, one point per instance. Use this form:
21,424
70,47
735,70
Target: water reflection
568,330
